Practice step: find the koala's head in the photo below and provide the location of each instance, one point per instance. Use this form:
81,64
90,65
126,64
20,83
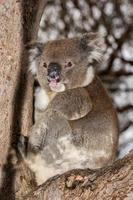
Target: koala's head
66,63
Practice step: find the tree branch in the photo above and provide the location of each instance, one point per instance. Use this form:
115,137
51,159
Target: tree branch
112,182
125,108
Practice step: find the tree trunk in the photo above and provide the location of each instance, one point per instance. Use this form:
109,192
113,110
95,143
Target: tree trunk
111,183
19,23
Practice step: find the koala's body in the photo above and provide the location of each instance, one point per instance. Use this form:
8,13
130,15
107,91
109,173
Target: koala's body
75,124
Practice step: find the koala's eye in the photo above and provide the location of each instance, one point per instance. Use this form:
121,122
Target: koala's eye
68,64
44,65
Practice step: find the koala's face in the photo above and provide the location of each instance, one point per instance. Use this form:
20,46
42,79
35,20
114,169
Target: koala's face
67,63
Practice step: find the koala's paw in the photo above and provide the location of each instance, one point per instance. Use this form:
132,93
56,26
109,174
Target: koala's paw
22,145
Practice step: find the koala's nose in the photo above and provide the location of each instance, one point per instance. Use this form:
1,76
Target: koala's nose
54,70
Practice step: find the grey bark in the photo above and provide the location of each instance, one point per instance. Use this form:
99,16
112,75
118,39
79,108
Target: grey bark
110,183
19,23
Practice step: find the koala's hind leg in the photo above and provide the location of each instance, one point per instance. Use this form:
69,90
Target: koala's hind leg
42,150
22,145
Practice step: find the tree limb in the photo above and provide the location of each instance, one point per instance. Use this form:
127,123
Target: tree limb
112,182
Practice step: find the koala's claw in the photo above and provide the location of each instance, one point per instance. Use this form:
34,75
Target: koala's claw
22,145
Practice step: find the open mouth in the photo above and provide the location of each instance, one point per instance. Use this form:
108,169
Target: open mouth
56,85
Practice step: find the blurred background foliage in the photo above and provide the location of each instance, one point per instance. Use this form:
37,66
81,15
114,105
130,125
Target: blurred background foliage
114,20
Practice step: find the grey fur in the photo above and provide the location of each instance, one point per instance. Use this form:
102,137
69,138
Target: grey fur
77,126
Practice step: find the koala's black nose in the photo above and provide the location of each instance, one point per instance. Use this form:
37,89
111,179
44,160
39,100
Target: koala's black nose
54,70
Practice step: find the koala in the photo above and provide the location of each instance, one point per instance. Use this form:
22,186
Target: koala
75,122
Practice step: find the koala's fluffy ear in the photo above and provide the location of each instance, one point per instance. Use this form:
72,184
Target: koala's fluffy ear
94,44
35,50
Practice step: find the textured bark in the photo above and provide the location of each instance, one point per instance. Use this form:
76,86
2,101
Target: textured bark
110,183
19,23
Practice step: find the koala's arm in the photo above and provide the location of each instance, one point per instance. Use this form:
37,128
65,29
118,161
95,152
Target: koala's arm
72,104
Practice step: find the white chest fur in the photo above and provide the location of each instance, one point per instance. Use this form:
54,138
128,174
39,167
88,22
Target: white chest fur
41,99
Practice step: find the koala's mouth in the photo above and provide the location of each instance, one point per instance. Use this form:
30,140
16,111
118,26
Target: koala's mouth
56,85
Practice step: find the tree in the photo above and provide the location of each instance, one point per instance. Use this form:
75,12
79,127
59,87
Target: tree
19,24
113,182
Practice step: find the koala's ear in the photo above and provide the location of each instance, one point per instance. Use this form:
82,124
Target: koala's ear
94,44
35,50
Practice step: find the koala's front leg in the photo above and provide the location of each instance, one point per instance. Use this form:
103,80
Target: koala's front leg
73,104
